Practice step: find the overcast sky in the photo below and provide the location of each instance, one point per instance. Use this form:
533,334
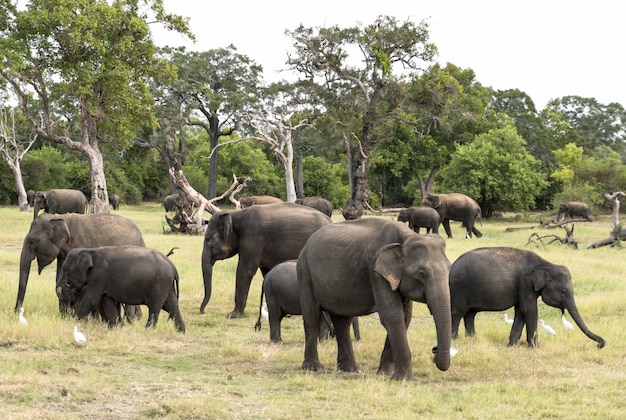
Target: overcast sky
548,49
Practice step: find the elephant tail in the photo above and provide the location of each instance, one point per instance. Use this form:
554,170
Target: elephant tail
171,251
257,326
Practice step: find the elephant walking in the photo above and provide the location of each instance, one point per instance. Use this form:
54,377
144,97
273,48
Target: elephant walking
358,267
60,202
418,217
495,279
573,208
263,236
455,206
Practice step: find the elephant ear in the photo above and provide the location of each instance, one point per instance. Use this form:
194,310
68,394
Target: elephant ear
540,276
389,264
60,233
227,224
85,262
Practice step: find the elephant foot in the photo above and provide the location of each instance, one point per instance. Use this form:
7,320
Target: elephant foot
403,376
386,370
348,367
235,314
314,366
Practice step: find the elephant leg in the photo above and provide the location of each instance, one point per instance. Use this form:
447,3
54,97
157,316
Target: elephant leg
276,317
245,273
345,352
468,319
456,320
153,317
87,302
476,232
311,333
110,311
171,307
532,318
518,325
446,226
355,327
396,355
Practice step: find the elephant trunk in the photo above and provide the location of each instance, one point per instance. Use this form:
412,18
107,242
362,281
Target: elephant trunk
207,274
573,311
439,306
26,259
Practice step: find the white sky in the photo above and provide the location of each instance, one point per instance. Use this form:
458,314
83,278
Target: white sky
548,49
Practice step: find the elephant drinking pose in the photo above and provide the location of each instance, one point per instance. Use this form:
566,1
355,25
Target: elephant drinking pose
371,265
420,217
455,206
60,202
263,236
52,236
495,279
573,208
280,287
128,274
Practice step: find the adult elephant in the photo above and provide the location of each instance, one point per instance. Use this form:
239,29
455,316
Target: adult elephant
263,236
114,200
259,200
573,208
280,288
371,265
318,203
59,201
455,206
128,274
170,202
495,279
419,217
52,236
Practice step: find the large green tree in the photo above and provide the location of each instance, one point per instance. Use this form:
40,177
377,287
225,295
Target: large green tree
80,70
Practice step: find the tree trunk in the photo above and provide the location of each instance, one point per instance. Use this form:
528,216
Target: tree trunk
16,170
290,186
99,202
359,190
299,176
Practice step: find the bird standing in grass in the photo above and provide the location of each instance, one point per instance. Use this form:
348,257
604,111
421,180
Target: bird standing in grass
568,325
547,328
506,319
79,337
264,312
23,320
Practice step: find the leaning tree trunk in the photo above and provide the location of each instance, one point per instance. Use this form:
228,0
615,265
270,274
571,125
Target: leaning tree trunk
99,202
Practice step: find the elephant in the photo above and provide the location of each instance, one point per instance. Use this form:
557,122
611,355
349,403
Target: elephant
455,206
128,274
263,236
114,200
53,236
420,217
170,202
59,201
573,208
259,199
280,288
30,197
497,278
368,265
317,203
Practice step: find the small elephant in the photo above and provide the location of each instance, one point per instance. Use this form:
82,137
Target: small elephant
280,287
171,201
368,265
573,208
128,274
30,197
455,206
495,279
318,203
59,201
259,200
263,236
420,217
114,200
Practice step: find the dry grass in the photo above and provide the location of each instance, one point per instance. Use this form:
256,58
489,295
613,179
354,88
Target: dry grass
223,369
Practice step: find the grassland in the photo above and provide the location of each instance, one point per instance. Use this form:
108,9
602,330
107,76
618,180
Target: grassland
222,368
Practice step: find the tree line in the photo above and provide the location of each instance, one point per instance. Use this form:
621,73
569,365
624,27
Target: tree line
90,102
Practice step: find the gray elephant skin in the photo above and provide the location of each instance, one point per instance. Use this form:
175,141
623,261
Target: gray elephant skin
30,197
263,236
573,208
358,267
258,200
455,206
170,202
128,274
114,200
280,288
52,236
419,217
498,278
59,201
318,203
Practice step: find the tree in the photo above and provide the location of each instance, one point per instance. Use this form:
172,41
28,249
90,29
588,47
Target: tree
355,85
496,170
80,69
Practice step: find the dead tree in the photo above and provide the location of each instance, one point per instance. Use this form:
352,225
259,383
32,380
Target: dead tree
544,240
617,234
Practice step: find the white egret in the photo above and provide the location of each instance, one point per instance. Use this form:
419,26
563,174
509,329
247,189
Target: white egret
23,320
79,337
568,325
264,312
453,352
506,319
547,328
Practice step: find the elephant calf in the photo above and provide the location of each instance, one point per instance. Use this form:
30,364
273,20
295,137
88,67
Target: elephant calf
280,287
418,217
128,274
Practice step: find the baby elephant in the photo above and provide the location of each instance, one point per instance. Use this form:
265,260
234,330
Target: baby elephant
128,274
420,217
495,279
280,287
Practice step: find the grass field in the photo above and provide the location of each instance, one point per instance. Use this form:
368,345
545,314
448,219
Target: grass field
222,368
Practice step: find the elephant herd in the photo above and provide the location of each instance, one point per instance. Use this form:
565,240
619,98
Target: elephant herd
340,271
